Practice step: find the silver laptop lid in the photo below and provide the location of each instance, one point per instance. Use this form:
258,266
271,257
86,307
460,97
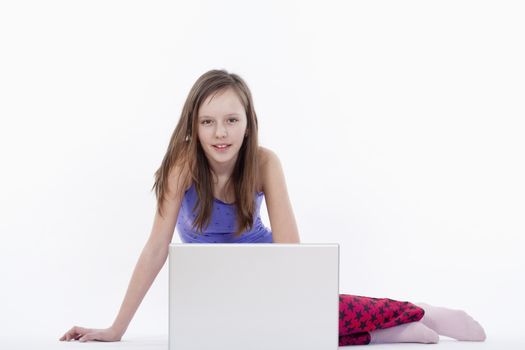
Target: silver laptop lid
253,296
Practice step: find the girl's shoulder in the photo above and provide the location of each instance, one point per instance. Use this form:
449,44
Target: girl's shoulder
267,161
180,177
262,154
262,157
266,156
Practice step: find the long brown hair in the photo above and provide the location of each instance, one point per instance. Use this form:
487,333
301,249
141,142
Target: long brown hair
185,150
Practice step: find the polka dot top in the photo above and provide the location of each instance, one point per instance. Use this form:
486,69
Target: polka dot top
222,224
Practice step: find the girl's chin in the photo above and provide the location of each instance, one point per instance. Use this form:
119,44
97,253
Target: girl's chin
220,157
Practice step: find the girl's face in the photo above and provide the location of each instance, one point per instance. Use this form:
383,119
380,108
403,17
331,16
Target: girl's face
222,126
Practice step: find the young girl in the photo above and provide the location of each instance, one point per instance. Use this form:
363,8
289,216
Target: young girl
210,186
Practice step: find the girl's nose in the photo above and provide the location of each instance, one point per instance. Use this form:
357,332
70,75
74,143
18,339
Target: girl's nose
220,131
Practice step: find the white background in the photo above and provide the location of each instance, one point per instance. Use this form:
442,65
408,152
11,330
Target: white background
399,125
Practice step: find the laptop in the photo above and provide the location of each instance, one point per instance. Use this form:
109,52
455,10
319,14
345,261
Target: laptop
253,296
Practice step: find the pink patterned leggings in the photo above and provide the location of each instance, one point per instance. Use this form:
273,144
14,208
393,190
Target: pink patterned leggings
359,315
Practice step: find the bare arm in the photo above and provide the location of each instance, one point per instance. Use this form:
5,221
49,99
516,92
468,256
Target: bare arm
280,212
153,255
150,262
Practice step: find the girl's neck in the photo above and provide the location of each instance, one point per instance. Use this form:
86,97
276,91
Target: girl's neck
222,170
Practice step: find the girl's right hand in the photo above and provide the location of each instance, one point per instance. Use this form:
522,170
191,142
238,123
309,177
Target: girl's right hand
86,334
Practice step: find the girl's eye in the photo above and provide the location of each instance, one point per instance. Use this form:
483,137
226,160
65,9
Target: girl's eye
208,122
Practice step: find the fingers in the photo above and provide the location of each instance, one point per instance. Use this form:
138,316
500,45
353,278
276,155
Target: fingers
74,333
86,337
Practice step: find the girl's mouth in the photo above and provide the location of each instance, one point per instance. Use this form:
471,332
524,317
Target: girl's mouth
221,148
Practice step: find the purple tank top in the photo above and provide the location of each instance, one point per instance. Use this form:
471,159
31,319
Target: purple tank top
222,223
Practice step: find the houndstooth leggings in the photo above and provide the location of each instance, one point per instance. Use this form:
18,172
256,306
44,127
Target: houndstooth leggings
359,315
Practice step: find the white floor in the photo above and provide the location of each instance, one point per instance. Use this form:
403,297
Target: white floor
161,342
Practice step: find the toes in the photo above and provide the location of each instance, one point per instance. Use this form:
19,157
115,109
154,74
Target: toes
430,335
433,338
478,333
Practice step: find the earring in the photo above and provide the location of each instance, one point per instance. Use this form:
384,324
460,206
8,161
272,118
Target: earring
188,137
